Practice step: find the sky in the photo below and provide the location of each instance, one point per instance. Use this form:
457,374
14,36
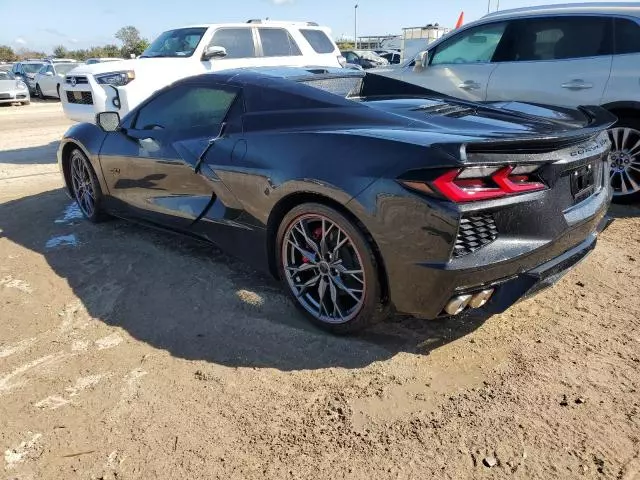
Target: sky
43,24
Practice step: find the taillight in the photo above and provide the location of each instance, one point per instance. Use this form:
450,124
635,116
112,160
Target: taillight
481,183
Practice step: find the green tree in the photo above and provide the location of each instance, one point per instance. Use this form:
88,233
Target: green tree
132,42
345,45
60,52
7,54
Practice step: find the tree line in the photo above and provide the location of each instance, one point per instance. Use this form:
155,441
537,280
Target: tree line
129,36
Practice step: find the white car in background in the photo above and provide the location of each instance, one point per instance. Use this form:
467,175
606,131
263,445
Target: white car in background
49,78
179,53
572,55
12,89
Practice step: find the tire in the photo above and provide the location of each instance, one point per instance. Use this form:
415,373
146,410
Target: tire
58,90
85,187
347,276
26,103
625,160
39,92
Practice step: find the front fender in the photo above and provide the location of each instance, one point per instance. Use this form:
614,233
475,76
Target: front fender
88,138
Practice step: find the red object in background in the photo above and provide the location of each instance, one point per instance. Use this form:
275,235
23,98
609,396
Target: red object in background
460,20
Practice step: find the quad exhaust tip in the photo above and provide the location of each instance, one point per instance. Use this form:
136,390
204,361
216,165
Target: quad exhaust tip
472,300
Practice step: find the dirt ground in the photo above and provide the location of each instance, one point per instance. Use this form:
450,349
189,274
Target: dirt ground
126,353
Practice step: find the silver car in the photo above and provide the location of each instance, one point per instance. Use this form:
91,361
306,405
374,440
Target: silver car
13,90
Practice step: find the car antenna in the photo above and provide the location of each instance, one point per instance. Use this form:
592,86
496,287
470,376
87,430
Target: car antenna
211,143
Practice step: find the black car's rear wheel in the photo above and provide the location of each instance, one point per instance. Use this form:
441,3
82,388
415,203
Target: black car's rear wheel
625,161
85,186
329,268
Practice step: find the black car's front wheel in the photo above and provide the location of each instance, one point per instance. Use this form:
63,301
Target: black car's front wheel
329,268
85,186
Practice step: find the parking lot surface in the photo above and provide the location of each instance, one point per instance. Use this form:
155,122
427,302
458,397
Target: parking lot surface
131,353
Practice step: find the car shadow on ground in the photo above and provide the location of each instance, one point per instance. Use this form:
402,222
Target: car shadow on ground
192,300
45,154
624,211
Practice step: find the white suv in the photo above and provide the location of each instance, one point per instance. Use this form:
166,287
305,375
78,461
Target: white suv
179,53
573,54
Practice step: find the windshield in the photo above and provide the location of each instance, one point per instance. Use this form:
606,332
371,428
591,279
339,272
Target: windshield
6,75
32,67
175,43
64,68
369,56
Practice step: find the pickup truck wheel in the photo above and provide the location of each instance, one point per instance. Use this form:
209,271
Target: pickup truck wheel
625,160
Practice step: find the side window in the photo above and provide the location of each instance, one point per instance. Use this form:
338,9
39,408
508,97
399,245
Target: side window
237,41
186,107
627,36
50,69
557,38
476,45
351,57
277,42
42,70
318,41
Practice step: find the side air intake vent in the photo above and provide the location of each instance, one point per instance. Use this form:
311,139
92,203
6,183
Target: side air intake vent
475,232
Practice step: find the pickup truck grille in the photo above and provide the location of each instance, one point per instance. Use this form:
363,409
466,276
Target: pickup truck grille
474,233
82,98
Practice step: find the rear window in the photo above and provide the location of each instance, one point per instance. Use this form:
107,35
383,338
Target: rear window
276,42
343,86
627,36
318,41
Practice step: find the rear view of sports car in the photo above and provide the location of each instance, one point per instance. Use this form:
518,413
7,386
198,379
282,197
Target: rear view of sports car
364,195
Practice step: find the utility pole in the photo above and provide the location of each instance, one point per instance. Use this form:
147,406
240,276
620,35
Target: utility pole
355,27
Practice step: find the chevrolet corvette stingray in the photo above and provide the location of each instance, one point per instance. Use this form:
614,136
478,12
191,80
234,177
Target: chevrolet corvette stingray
362,194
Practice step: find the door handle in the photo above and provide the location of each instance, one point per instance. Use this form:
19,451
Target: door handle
577,84
469,85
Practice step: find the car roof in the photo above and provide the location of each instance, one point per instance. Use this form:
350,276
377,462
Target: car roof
32,61
253,23
629,8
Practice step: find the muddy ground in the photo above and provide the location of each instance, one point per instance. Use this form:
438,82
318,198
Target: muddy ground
128,353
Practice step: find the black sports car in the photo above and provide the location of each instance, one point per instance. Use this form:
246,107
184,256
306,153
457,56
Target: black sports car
362,194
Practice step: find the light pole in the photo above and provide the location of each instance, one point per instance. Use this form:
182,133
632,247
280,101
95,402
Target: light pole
355,26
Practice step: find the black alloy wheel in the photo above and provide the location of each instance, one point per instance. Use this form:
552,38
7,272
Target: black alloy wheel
85,187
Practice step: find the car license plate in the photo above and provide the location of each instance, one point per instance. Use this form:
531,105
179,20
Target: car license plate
583,181
77,95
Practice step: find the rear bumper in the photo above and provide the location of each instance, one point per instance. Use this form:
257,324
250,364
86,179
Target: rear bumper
424,289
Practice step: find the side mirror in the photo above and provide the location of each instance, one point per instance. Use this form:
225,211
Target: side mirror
49,74
421,62
108,121
214,51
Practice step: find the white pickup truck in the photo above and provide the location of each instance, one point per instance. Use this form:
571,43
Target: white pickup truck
121,86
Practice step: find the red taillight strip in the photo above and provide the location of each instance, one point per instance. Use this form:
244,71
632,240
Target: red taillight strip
501,177
446,185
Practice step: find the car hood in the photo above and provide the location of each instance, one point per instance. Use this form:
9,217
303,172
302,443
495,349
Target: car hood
7,85
138,65
498,120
